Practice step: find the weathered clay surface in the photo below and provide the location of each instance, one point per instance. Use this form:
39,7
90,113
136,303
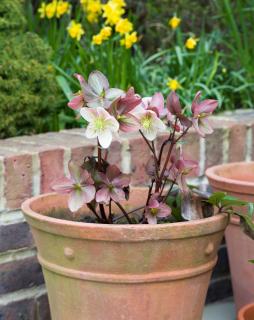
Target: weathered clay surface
131,272
247,312
237,179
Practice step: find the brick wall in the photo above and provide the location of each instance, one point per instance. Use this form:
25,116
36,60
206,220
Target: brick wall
28,166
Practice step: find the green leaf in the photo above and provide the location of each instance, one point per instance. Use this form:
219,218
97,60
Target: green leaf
216,198
251,261
64,85
232,201
247,224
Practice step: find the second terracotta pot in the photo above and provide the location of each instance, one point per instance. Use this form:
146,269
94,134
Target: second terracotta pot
247,312
237,179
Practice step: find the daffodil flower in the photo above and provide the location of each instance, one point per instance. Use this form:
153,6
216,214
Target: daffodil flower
191,43
97,92
174,22
150,124
201,111
156,209
79,186
112,185
101,125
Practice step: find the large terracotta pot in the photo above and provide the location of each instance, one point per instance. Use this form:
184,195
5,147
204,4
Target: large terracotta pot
237,179
124,272
247,312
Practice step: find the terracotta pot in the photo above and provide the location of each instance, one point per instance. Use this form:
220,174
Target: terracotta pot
237,179
117,272
247,312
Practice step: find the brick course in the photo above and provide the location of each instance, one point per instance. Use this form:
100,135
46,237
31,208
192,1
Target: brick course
29,165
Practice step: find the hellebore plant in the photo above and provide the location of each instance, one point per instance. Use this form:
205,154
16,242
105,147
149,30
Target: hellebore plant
110,111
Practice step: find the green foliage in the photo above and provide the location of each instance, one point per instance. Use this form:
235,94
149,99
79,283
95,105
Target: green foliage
11,16
29,94
230,205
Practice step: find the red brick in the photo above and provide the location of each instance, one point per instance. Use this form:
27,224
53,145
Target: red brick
114,155
214,147
19,310
78,154
23,237
237,143
18,174
52,168
140,155
20,274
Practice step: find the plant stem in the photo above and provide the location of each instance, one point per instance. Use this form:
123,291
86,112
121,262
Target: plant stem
95,213
124,212
101,206
132,211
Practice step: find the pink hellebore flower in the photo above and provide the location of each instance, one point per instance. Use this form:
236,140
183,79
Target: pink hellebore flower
122,108
150,124
201,111
101,125
156,209
78,100
175,109
155,103
97,92
184,167
112,185
79,186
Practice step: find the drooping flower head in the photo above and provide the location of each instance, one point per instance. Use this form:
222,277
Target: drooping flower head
79,186
112,185
201,111
175,109
122,109
101,125
97,92
156,209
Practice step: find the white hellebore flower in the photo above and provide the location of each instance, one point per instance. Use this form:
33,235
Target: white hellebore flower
150,124
101,125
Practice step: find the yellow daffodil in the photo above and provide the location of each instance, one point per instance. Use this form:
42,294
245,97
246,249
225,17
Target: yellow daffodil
173,84
75,30
129,40
97,39
103,35
92,17
124,26
120,3
112,12
94,6
42,10
106,32
62,8
51,9
174,22
191,43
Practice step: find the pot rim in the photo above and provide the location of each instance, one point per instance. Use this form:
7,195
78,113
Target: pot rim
118,232
229,184
244,309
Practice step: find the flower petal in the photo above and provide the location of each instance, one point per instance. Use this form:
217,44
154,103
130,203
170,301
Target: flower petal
75,171
75,201
88,114
76,102
105,138
207,106
102,195
117,195
91,132
164,210
158,102
173,103
113,93
98,82
88,193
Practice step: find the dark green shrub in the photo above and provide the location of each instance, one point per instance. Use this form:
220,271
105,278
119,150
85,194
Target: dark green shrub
28,90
